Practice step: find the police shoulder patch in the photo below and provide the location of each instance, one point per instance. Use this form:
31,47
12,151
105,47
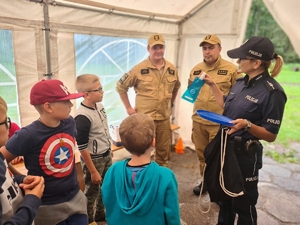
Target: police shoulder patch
222,72
144,71
123,78
197,72
172,72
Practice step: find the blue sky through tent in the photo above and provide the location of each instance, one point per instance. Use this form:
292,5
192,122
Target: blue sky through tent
109,58
8,83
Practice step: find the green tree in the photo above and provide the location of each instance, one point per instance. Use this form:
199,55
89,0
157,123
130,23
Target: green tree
261,23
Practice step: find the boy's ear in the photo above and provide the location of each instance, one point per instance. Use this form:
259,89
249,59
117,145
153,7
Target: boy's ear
47,107
153,143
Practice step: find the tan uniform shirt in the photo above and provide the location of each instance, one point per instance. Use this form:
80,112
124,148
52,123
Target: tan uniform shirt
153,88
224,74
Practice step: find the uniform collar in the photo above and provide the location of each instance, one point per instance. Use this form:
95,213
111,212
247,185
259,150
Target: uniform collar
217,63
257,79
150,65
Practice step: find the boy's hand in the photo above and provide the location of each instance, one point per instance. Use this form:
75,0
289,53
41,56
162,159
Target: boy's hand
37,185
96,178
29,182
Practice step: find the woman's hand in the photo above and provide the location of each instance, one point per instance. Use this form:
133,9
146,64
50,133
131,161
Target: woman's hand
207,79
238,125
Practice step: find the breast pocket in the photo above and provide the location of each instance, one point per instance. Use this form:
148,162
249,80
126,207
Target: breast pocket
170,85
146,83
224,83
251,110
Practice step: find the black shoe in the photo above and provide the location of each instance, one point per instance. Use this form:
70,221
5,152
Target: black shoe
197,189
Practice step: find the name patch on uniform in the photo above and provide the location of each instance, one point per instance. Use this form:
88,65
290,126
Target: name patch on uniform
144,71
251,99
273,121
222,72
252,178
122,79
197,72
172,72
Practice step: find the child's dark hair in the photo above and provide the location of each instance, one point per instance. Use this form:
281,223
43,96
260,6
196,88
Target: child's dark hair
137,133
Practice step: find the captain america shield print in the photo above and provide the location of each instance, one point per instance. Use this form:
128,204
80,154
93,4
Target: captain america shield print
57,155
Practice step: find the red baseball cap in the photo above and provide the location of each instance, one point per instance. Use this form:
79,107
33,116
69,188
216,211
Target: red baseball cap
50,91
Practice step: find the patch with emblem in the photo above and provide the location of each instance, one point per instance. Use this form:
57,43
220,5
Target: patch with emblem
144,71
197,72
122,79
222,72
156,37
172,72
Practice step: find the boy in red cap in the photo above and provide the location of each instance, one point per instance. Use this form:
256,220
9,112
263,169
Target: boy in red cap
48,146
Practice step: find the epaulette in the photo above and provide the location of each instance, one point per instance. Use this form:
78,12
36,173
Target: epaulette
272,85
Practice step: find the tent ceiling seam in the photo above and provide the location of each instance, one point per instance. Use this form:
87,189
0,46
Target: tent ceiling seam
122,9
196,9
113,11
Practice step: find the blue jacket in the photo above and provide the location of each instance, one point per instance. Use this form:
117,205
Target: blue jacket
149,196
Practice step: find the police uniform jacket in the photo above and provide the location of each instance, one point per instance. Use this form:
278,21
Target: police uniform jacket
261,102
224,74
153,88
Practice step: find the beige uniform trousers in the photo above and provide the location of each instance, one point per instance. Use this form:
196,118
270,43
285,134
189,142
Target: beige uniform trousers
202,134
163,140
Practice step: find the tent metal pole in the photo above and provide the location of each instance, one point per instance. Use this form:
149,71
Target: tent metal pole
178,43
46,34
47,41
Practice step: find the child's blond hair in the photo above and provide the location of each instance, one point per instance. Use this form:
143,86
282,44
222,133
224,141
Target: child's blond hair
85,82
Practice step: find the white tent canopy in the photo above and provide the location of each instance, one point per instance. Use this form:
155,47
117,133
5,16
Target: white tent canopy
66,38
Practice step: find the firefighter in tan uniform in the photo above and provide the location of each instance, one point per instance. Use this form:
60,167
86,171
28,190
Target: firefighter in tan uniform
156,83
224,74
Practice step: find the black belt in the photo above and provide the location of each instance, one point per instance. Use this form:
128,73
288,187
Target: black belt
101,155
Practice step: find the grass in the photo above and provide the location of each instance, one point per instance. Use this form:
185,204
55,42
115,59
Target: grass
290,127
290,81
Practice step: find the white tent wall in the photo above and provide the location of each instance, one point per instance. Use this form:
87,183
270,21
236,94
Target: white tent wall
26,24
286,14
227,19
26,20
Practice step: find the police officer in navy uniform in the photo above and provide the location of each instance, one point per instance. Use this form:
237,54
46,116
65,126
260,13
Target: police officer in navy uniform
256,104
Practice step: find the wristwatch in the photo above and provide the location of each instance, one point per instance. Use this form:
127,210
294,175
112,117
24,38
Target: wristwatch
246,128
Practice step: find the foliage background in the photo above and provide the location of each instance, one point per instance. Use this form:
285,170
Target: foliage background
261,23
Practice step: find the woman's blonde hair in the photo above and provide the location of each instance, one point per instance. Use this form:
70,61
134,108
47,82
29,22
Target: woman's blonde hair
274,67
